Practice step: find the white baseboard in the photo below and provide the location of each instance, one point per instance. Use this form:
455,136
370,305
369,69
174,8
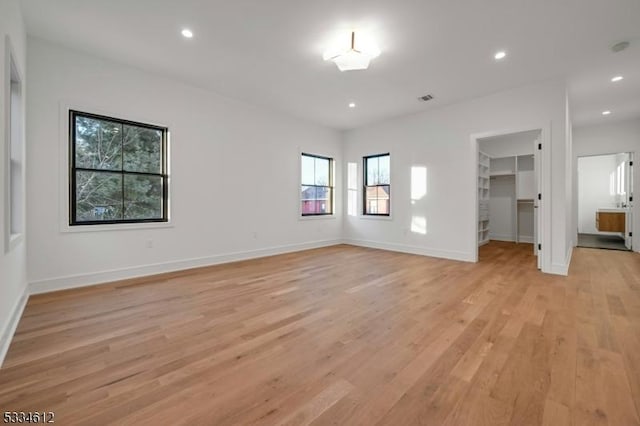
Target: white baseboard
424,251
563,269
10,328
83,280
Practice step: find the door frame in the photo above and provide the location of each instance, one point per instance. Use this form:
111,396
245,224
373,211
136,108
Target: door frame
628,231
543,175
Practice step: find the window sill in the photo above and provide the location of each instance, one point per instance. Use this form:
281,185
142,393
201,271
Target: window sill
317,217
374,217
115,227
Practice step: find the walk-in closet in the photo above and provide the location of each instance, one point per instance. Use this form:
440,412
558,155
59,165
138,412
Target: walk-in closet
507,188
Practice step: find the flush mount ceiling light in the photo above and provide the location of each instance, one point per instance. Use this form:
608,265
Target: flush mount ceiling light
349,56
617,78
352,105
606,112
187,33
500,55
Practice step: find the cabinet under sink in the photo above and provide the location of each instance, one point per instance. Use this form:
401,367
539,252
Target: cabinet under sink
610,220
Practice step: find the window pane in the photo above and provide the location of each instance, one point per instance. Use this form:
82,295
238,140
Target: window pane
371,193
324,199
98,196
98,144
377,200
316,200
142,197
308,200
308,170
372,171
322,172
142,149
383,200
384,170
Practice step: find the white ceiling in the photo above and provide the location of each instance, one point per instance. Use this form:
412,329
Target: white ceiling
269,52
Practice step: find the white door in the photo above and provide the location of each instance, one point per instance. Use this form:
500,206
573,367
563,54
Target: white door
629,191
537,211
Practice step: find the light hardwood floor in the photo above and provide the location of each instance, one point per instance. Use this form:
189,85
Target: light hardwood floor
340,335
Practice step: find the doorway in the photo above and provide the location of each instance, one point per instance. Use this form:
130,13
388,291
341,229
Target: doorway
605,198
509,184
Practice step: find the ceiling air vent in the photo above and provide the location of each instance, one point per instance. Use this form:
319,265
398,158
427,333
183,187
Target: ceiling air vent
425,98
619,47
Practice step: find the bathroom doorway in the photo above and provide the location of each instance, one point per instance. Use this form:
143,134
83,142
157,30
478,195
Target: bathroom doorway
605,198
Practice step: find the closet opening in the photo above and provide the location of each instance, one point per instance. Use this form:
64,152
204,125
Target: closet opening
605,199
509,182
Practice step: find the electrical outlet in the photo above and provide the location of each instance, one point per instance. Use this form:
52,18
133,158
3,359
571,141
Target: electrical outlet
255,235
149,243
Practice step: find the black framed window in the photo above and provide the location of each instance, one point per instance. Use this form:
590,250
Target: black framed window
118,171
316,190
377,185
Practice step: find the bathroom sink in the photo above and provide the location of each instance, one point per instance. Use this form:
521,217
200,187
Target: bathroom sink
613,210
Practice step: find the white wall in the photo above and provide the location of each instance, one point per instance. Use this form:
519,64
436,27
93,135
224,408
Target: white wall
440,139
502,208
594,189
609,138
234,174
12,262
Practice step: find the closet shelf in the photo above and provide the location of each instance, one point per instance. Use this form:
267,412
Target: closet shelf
484,184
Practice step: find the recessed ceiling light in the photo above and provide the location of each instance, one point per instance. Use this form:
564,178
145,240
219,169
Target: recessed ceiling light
186,33
617,78
606,112
352,105
500,55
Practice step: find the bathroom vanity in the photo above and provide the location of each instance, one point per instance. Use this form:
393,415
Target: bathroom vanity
611,220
